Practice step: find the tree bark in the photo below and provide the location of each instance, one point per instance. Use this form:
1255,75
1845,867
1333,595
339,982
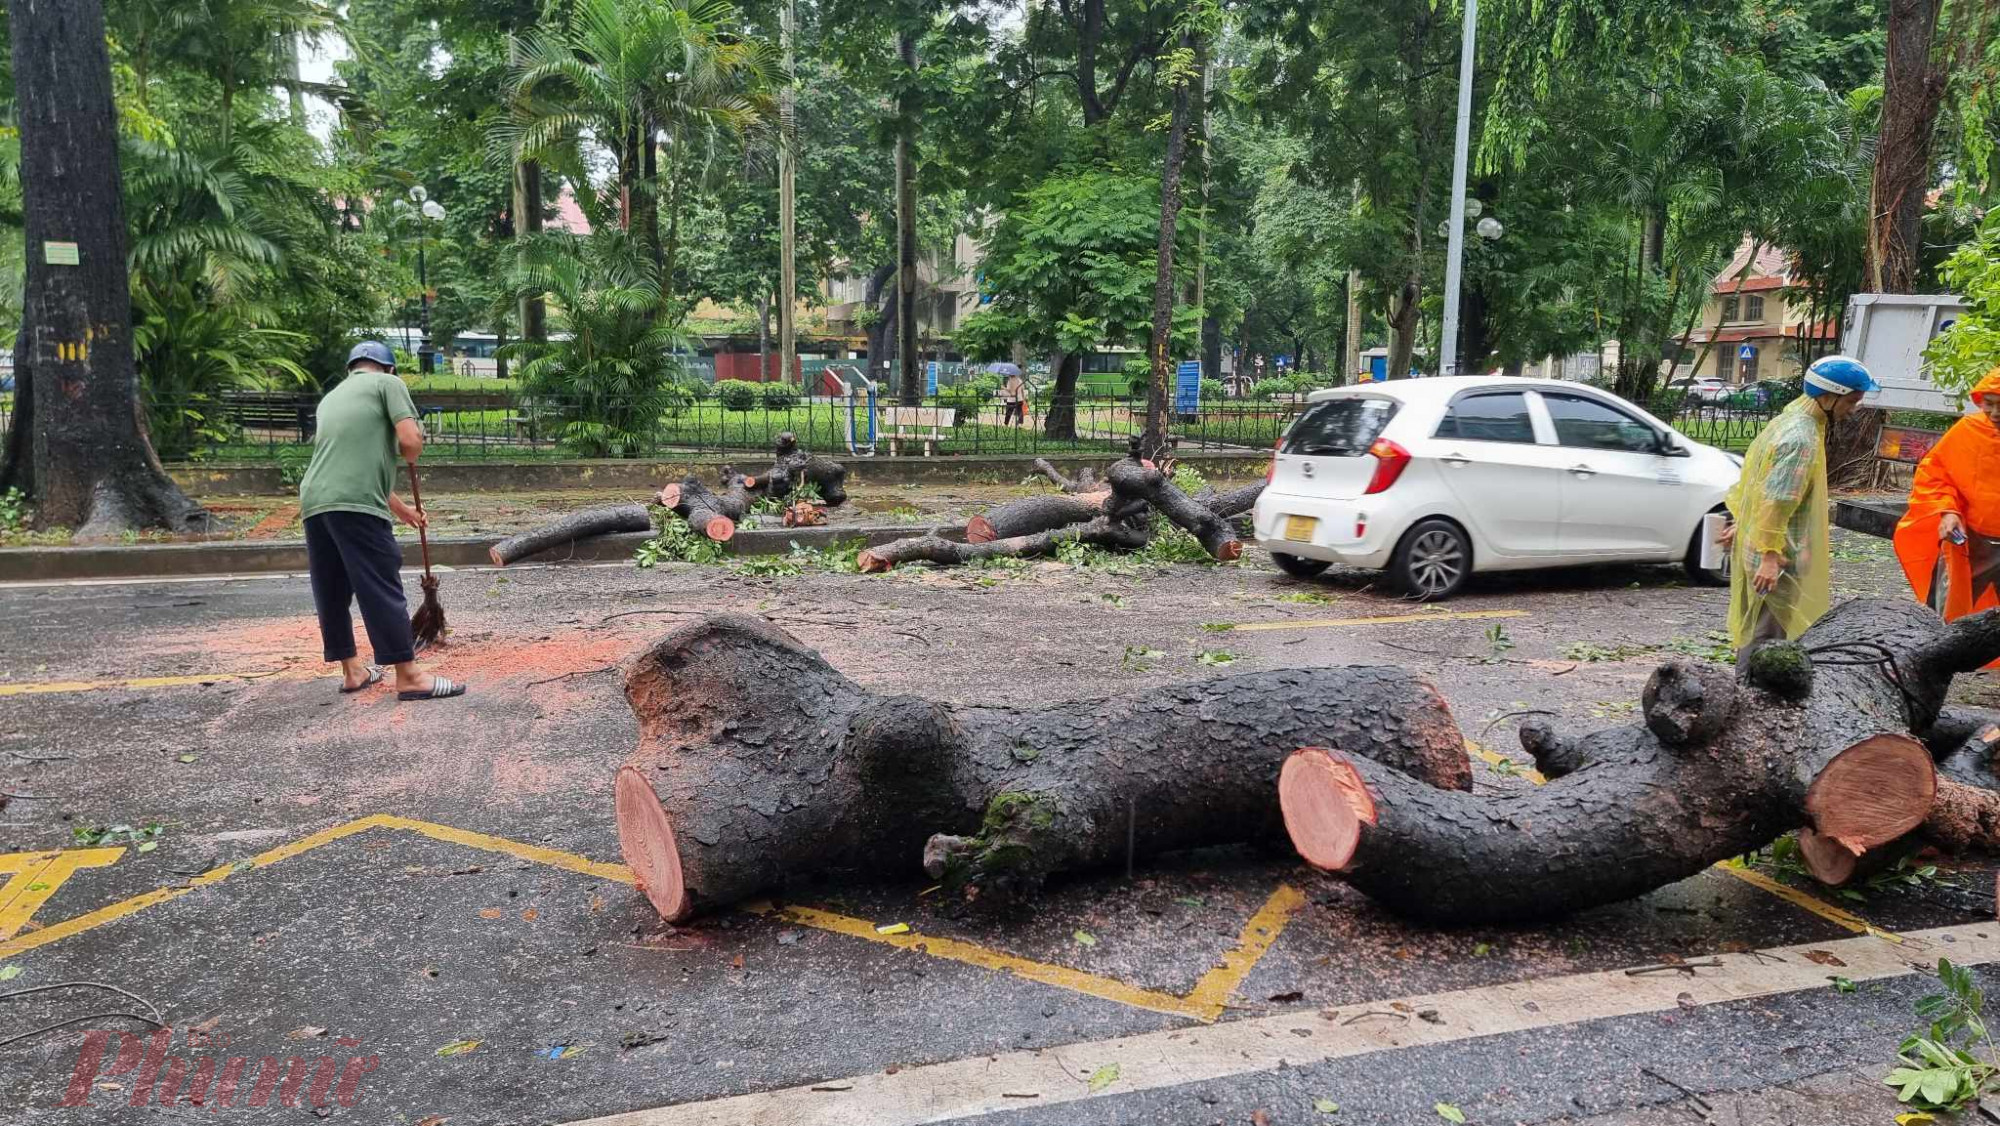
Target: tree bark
909,388
528,224
1060,423
714,514
1132,481
1912,92
1819,736
1035,514
933,548
1153,441
94,468
1085,481
792,467
758,762
602,520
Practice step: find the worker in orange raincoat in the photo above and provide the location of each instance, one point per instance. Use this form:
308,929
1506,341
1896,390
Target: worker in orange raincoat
1954,514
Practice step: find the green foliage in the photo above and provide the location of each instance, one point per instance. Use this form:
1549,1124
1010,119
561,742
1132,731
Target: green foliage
14,511
1270,388
609,377
1213,391
677,542
736,394
1961,355
1950,1064
779,396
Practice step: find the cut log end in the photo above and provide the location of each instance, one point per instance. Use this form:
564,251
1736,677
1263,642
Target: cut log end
670,496
646,838
721,529
1829,861
1230,551
870,563
980,530
1872,793
1324,803
493,553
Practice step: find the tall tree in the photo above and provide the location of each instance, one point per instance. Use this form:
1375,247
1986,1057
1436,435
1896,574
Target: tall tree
1182,73
909,388
80,446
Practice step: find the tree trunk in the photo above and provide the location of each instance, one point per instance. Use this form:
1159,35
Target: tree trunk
1060,423
758,762
792,467
763,336
1350,353
1132,481
1403,325
713,514
1153,442
934,548
602,520
93,468
1030,515
646,217
909,388
1818,736
528,224
788,139
1912,91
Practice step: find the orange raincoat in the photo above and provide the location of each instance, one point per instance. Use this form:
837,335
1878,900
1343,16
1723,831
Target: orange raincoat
1961,474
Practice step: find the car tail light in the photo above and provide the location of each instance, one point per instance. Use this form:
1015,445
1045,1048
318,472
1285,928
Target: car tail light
1271,470
1390,461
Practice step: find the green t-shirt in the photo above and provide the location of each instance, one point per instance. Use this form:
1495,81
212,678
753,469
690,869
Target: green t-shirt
354,453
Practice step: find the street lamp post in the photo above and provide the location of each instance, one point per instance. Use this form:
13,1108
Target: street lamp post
425,209
1454,262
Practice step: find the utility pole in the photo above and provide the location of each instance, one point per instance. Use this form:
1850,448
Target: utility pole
788,279
1454,262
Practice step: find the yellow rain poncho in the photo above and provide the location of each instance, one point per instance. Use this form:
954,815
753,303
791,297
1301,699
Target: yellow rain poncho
1780,505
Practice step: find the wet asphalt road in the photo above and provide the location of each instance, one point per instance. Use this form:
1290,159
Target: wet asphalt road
466,910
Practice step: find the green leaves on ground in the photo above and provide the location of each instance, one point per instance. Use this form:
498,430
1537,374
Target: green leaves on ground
93,836
1953,1062
1449,1112
1326,1106
1103,1077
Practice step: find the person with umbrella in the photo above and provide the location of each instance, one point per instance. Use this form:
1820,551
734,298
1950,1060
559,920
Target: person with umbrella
1013,394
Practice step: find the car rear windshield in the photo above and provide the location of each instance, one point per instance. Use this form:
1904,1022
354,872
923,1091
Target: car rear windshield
1343,427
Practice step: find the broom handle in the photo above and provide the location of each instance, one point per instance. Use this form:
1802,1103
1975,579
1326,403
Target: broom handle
423,539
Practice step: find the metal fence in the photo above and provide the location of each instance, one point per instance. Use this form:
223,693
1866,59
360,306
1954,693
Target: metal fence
504,425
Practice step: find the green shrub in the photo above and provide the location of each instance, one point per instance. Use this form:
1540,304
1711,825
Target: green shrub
780,396
1270,388
1213,391
735,394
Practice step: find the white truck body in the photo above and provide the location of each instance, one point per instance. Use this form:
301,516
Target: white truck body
1888,332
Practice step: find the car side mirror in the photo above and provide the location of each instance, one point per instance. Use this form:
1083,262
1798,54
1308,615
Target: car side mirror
1668,447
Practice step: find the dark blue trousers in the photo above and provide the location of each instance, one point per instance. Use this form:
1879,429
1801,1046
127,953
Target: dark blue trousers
353,556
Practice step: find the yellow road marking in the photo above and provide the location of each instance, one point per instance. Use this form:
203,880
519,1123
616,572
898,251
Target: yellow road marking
1205,1002
1213,991
1812,903
36,875
1495,758
1392,619
46,687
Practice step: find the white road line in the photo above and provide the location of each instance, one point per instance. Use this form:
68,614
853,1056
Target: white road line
1149,1061
246,576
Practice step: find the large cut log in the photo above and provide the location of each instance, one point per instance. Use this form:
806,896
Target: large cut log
1028,515
758,763
582,524
1132,480
1817,736
1235,502
714,514
933,548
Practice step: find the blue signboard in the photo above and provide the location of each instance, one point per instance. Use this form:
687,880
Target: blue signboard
930,378
1187,387
1747,352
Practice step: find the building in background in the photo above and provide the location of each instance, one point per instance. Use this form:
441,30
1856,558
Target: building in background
1754,321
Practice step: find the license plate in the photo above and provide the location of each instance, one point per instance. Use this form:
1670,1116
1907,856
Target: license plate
1299,529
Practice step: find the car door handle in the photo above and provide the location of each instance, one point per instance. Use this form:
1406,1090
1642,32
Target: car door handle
1456,459
1582,472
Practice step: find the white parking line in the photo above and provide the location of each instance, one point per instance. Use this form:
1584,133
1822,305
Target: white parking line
1149,1061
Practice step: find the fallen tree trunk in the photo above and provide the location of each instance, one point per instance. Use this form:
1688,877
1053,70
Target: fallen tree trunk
793,467
1132,481
1035,514
1235,502
582,524
1818,736
933,548
711,513
758,762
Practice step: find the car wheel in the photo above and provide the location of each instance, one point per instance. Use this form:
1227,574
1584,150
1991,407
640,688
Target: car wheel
1698,574
1432,561
1299,567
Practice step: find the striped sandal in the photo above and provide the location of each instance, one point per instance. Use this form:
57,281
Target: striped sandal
442,688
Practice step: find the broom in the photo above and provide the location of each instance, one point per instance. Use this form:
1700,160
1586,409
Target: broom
427,624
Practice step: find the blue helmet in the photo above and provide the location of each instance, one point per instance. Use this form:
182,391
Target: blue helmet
1837,375
373,350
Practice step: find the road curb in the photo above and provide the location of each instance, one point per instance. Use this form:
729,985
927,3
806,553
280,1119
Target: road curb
178,560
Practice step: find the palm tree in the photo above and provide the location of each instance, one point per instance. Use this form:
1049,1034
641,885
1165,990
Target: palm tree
240,44
626,75
607,373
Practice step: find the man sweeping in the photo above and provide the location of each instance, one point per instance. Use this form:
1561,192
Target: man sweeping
1780,578
1954,513
347,498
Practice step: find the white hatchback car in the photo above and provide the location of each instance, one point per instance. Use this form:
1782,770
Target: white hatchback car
1433,479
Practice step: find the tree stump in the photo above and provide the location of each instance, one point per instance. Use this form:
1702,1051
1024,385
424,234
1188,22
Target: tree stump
758,762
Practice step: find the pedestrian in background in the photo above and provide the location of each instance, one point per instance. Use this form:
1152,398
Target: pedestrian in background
1780,578
1953,522
1014,398
347,498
